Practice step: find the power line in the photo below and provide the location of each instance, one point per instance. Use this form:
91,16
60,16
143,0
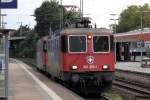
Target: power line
108,12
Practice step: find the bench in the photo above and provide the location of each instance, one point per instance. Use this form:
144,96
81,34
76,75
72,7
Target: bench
145,63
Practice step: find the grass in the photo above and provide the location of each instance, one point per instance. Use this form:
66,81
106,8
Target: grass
113,95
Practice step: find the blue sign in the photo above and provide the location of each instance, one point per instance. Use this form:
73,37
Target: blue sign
8,4
1,65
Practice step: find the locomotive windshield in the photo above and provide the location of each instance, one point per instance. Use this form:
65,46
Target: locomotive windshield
77,43
101,43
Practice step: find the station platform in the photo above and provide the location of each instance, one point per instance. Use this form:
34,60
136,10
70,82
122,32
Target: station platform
132,66
27,84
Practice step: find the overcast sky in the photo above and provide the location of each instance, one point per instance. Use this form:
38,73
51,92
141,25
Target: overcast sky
99,10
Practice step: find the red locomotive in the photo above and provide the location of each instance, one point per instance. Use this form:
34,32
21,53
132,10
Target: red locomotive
81,57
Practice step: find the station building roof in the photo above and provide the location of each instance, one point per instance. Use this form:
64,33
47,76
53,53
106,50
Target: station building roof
136,35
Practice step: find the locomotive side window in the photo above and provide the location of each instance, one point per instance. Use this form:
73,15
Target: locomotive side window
101,43
77,43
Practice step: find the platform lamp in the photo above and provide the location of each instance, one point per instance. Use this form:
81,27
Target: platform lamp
115,31
141,36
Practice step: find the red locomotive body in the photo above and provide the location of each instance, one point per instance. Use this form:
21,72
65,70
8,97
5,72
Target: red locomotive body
82,57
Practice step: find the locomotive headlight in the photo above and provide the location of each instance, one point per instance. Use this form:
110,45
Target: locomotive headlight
89,36
74,67
105,67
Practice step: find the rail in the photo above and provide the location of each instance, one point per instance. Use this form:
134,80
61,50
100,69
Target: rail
133,84
103,97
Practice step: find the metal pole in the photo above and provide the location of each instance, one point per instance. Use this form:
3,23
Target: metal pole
141,34
0,19
115,42
81,8
61,15
115,31
142,41
6,64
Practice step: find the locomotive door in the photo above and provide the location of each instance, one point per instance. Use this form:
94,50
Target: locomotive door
45,56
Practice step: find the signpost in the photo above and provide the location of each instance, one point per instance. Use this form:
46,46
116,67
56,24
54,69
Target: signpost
4,57
4,51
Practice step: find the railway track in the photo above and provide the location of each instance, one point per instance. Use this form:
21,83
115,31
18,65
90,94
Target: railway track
103,97
134,84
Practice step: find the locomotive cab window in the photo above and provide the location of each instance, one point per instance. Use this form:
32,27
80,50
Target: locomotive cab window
77,44
101,43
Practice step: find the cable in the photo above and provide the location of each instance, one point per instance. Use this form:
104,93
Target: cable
97,15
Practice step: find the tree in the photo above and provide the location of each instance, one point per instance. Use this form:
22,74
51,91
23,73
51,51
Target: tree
22,31
27,48
48,15
130,18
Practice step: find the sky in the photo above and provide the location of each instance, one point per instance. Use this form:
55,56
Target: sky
99,10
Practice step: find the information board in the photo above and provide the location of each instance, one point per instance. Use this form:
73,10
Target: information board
8,4
2,67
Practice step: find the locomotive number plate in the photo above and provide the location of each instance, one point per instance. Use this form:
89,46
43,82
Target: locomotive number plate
90,67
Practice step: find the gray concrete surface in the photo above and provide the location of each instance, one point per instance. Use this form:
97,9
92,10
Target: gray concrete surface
132,66
25,83
2,85
22,86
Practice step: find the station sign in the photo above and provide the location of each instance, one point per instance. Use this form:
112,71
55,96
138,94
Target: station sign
8,4
141,37
2,67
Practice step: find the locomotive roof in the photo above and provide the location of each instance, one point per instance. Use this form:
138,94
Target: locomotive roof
86,30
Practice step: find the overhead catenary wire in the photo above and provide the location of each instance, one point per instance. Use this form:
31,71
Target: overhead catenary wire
110,11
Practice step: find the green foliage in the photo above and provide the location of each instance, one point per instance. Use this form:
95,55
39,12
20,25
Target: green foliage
48,15
130,18
28,46
25,48
22,31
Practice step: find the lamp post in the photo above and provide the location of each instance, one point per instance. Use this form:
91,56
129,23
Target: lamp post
115,30
81,8
3,25
141,36
2,19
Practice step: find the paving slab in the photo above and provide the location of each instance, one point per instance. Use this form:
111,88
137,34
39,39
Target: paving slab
22,86
2,85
